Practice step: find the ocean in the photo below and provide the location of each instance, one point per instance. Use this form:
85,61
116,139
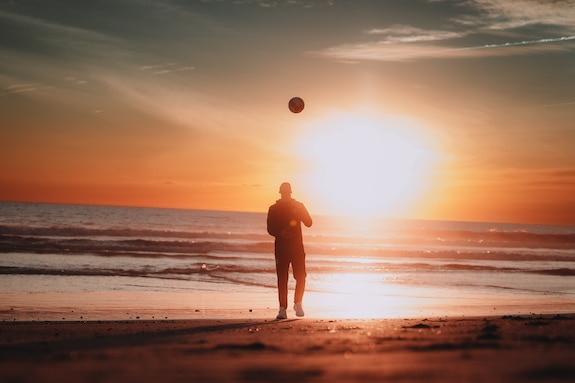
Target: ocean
75,262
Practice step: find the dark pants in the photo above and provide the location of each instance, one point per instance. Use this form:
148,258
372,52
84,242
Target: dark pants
299,274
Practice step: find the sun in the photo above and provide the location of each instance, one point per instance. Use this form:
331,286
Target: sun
361,165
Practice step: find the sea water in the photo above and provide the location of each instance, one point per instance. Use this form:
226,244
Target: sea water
75,261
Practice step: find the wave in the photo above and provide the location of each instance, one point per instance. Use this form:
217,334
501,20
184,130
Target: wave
494,237
399,242
563,271
66,231
139,248
226,271
196,269
484,238
130,247
481,238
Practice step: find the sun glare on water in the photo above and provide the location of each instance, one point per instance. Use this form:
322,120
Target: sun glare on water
357,165
364,295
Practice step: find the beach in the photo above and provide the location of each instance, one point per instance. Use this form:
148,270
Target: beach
109,294
529,348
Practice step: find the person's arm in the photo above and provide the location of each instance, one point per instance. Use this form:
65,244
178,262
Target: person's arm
272,230
304,216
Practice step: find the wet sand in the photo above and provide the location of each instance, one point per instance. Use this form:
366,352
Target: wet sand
529,348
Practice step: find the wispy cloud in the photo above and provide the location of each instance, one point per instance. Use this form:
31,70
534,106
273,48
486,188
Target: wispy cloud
19,88
505,14
531,26
166,68
279,3
47,26
23,88
410,34
548,178
406,52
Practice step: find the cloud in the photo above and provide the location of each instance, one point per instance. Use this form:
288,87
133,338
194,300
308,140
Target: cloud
558,178
23,88
46,26
505,14
19,88
278,3
406,52
43,37
520,23
166,68
409,34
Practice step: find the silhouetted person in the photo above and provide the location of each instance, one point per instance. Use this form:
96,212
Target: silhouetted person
284,223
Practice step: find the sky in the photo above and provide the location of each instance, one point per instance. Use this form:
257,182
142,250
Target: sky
425,109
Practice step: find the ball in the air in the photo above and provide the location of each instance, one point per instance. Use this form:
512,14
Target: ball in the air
296,105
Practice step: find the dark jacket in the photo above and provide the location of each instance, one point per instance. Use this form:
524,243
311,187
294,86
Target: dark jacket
284,223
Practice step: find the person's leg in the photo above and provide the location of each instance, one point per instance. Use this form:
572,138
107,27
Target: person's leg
299,274
282,271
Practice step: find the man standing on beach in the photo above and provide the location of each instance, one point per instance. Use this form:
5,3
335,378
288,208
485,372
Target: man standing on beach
284,223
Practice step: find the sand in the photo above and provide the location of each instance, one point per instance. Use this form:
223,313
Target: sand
531,348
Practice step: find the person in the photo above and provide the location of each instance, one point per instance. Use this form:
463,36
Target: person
284,223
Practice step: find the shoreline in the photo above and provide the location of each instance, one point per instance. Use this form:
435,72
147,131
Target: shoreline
137,305
502,348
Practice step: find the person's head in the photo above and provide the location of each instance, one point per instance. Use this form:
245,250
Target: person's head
285,190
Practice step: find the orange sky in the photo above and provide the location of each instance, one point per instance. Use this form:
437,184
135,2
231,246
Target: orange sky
414,109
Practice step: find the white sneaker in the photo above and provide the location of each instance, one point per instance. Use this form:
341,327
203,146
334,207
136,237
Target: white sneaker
282,313
298,309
